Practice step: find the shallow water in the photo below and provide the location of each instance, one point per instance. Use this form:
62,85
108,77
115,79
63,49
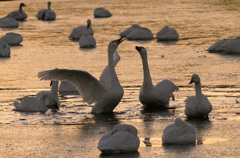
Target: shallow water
74,131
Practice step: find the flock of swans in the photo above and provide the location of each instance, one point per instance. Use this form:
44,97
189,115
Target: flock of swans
106,92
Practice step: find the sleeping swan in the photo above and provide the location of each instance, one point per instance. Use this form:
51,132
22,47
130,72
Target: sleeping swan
106,98
7,22
87,41
4,49
154,96
197,106
46,14
180,132
18,14
101,13
123,138
12,38
43,101
77,32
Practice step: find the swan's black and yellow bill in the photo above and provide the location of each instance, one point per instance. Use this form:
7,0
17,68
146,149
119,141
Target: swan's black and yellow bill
192,80
53,106
139,48
119,40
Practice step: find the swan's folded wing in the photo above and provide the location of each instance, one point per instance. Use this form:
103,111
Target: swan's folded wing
167,86
88,86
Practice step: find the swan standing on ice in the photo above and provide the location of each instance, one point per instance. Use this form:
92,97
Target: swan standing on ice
4,49
18,14
41,102
167,34
197,106
106,98
180,132
46,14
7,22
80,30
101,13
126,32
141,33
123,138
158,96
12,38
87,41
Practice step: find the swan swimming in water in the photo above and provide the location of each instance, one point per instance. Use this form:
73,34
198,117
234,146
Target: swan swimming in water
154,96
106,98
46,14
12,38
43,101
4,49
87,41
167,34
123,138
77,32
197,106
7,22
101,13
141,33
18,14
126,32
180,132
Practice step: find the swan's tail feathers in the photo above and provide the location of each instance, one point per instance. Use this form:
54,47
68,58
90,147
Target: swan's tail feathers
16,105
167,86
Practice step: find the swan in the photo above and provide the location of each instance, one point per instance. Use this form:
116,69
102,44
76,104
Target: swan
101,13
4,49
12,38
227,46
46,14
180,132
123,138
92,91
80,30
167,34
7,22
141,33
87,41
40,103
105,78
129,30
197,106
159,95
18,14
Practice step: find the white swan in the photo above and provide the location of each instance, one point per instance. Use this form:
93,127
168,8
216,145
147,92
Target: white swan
105,78
18,14
12,38
197,106
101,13
226,46
40,103
87,41
123,138
159,95
46,14
126,32
141,33
180,132
77,32
4,49
7,22
167,34
92,91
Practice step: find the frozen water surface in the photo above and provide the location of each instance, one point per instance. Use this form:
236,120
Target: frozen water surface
74,131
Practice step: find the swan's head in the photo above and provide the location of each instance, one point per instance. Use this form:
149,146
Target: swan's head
125,127
142,51
88,23
54,105
114,44
195,78
22,5
49,3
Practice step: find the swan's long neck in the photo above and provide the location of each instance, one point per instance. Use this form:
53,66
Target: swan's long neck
49,6
113,75
20,8
198,92
147,81
54,90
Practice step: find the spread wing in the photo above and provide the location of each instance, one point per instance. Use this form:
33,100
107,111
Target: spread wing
88,86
